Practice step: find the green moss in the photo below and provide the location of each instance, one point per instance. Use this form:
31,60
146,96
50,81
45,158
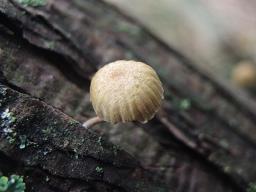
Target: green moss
23,141
3,183
116,148
11,138
76,155
99,169
3,91
125,27
32,3
12,184
47,131
49,45
8,116
227,169
7,121
252,187
99,140
72,122
185,104
47,179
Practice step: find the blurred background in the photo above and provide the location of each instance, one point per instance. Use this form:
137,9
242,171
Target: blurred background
217,35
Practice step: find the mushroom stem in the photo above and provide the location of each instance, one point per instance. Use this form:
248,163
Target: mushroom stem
92,121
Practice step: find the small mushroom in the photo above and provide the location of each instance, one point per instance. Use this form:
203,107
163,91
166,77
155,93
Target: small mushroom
244,75
125,91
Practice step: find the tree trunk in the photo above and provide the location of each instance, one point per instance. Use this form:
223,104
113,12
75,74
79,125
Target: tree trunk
203,138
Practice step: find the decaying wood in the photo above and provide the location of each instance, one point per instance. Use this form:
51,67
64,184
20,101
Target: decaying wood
40,140
51,52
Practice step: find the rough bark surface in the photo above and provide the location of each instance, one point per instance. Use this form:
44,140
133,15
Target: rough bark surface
56,152
51,51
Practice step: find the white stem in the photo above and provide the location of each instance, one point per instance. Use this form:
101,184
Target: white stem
92,121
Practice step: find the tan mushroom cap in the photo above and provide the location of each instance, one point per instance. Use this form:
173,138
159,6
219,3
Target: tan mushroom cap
244,74
125,91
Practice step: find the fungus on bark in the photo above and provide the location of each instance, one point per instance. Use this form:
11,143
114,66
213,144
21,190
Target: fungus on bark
125,91
244,75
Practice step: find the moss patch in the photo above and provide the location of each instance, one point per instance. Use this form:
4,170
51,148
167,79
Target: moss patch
7,119
12,184
252,187
32,3
99,169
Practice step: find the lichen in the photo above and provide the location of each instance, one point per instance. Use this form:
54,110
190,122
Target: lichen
32,3
7,124
46,150
185,104
23,141
116,148
227,169
8,117
99,140
128,28
7,120
99,169
72,122
3,92
47,179
49,44
76,155
47,131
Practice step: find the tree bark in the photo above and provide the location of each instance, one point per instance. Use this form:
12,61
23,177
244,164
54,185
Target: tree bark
51,51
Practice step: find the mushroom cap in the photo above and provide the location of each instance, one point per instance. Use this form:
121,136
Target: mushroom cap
244,74
125,91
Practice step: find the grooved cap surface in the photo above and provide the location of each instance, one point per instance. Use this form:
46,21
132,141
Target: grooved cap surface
125,91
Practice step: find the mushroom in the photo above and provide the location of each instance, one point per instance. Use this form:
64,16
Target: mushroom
125,91
244,74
